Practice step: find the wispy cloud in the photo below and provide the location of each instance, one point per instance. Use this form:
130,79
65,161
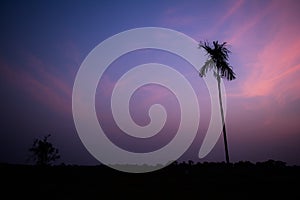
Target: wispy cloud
43,86
245,21
231,11
278,61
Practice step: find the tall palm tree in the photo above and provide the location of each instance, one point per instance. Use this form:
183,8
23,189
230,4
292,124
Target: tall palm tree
218,62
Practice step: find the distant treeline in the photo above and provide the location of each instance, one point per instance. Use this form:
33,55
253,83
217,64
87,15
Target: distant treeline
240,180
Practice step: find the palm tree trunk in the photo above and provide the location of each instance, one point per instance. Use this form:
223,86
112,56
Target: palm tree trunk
223,121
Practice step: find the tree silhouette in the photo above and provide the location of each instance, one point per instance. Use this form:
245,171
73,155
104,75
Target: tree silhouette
43,152
218,62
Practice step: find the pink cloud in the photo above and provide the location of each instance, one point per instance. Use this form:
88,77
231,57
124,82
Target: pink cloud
40,67
241,28
232,10
275,65
106,85
268,46
44,87
154,94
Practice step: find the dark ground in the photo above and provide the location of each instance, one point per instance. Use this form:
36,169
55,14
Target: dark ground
242,180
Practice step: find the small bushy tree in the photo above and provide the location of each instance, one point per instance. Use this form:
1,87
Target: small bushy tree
43,152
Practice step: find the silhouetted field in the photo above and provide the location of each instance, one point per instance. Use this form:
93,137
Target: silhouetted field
242,180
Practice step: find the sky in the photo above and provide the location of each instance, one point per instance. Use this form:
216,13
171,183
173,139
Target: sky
43,44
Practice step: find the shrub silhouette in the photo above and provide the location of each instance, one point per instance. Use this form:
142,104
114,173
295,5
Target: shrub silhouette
43,152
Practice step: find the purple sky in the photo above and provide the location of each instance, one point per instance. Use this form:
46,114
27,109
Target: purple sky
44,43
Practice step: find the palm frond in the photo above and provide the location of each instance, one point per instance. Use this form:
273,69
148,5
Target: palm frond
208,65
228,73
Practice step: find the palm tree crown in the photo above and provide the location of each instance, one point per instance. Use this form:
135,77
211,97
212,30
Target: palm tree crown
218,60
